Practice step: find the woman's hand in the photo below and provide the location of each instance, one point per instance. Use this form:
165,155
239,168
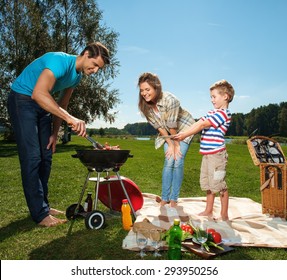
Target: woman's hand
170,151
177,152
173,150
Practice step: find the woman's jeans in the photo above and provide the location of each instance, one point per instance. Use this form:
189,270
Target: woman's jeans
172,174
32,128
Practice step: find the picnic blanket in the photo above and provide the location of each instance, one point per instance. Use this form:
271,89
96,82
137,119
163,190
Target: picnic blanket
247,226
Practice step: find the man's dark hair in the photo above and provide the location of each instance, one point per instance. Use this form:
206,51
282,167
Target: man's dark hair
97,49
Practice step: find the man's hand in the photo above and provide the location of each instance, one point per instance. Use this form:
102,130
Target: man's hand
52,143
78,126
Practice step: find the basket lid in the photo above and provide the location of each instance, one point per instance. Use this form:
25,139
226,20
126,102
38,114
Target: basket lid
265,150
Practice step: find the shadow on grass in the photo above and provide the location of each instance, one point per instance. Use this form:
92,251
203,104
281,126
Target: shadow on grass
87,244
99,245
14,228
9,149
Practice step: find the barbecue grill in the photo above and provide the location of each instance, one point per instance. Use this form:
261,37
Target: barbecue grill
110,190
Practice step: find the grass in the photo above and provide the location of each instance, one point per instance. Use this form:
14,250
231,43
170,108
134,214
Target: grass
21,239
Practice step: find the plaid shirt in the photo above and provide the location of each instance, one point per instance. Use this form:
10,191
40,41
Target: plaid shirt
171,115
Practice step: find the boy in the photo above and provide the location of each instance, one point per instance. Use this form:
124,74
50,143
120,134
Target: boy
214,126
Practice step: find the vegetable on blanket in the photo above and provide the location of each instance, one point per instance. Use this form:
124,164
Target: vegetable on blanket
189,231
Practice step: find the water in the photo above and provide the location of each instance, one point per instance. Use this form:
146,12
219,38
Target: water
228,141
142,138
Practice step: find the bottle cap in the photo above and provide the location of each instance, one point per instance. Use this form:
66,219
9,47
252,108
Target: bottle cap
125,200
176,222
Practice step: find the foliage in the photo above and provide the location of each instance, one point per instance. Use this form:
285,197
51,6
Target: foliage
21,239
266,120
28,29
142,128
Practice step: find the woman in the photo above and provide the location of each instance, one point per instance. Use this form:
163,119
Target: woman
163,111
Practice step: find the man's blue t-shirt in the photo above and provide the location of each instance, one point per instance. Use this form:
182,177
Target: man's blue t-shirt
61,64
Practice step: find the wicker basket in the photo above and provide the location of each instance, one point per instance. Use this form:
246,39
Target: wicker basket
265,150
273,179
268,155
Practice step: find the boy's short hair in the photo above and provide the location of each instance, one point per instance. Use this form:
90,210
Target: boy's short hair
224,87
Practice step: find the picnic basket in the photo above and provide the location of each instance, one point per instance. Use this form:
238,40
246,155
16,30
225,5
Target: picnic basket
265,150
268,155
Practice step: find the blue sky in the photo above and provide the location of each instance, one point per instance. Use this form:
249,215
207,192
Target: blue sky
190,44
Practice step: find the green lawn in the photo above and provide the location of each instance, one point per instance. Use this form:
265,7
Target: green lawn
23,240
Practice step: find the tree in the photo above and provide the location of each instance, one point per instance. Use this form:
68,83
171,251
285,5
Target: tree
283,121
101,132
23,36
237,125
30,28
141,129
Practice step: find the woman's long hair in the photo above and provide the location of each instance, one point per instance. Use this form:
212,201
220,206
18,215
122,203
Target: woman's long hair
154,82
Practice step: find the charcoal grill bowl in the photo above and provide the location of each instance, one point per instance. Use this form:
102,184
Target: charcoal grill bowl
101,160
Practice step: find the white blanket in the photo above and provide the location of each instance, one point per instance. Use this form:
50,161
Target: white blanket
247,226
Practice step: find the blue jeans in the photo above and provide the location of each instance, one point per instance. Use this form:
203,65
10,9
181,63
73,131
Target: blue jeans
172,174
32,128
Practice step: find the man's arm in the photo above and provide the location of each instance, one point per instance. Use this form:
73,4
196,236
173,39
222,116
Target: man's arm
63,102
41,94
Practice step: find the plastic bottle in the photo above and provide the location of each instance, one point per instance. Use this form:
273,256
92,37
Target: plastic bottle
126,215
88,205
174,245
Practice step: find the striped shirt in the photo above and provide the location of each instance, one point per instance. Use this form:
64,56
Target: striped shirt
170,115
212,138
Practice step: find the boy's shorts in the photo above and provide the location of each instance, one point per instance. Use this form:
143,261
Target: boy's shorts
213,171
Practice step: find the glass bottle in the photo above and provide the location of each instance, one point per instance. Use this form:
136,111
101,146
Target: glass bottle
174,245
88,205
126,215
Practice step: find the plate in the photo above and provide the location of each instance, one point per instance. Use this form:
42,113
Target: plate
194,240
204,254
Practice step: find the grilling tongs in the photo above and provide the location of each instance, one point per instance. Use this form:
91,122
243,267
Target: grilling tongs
96,144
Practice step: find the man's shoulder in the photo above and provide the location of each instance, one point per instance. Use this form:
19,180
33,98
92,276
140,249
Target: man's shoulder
59,56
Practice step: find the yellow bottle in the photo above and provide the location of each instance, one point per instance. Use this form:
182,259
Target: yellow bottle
126,215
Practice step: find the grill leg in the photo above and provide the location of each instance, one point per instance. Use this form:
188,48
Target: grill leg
97,190
110,196
82,193
79,202
126,194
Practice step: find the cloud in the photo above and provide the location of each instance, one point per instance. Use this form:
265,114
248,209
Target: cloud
242,96
214,24
135,50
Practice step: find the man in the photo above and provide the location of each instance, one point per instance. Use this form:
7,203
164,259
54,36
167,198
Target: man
31,107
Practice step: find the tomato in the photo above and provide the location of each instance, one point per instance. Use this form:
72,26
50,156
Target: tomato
211,230
183,226
187,228
216,237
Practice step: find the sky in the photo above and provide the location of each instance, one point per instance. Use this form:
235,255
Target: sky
190,44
